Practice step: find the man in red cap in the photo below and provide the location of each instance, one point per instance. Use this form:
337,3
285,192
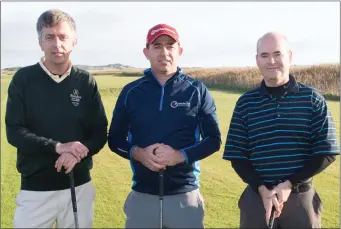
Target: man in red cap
157,123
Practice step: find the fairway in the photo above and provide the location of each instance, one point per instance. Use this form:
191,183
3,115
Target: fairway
112,176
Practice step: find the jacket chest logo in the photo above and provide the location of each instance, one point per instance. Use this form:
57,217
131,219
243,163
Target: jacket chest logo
75,97
176,104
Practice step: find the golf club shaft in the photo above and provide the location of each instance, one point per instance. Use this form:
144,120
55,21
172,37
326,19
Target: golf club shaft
73,198
161,196
272,217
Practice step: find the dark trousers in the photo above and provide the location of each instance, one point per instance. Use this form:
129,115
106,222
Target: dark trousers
302,210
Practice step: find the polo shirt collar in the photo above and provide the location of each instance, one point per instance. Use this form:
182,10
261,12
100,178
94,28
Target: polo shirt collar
293,86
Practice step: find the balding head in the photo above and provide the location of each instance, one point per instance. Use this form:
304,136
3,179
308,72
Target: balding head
274,58
275,37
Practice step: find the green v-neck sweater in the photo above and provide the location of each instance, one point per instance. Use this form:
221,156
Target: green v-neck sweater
41,112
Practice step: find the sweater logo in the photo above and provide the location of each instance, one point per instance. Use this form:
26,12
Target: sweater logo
75,97
176,104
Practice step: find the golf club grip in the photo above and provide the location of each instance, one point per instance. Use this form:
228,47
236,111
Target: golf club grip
161,184
73,191
272,217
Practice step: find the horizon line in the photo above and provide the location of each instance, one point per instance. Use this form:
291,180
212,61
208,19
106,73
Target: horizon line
131,67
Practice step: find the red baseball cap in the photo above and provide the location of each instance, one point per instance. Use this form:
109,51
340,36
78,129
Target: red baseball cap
161,29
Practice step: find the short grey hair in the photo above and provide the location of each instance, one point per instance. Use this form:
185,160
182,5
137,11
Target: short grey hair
53,17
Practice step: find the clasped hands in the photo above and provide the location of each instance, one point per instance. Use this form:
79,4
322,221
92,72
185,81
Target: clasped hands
158,156
275,197
70,153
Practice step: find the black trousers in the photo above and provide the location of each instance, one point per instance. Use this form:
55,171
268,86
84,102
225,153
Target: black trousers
302,210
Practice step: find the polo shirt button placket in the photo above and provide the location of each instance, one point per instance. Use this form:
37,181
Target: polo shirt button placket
277,110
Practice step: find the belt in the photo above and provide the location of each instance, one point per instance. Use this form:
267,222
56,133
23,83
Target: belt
300,187
303,187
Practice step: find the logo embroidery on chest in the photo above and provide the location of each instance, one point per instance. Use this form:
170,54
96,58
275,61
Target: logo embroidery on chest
176,104
75,97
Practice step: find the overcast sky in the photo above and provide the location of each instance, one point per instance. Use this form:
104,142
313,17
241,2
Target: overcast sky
212,34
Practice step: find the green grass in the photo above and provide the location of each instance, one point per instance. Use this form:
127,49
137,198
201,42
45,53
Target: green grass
220,185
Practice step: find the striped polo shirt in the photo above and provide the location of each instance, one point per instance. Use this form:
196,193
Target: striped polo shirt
279,134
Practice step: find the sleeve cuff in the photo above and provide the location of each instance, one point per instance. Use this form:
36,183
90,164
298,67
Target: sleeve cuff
255,186
131,152
52,144
293,181
185,155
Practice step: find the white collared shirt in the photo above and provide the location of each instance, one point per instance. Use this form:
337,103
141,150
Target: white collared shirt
56,78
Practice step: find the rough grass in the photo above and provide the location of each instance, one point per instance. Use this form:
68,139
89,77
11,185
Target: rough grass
326,78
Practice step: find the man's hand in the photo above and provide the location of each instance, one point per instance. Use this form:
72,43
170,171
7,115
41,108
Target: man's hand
77,149
269,199
169,156
283,191
67,160
147,158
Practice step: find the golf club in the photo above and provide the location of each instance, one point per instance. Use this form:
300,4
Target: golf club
161,196
272,217
73,198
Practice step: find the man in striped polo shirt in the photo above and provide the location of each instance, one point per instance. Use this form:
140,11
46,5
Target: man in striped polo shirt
280,136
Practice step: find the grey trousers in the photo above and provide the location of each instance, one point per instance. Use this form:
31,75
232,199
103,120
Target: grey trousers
179,211
302,210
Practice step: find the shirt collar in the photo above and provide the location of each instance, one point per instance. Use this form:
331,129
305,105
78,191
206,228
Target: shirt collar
149,73
293,86
53,76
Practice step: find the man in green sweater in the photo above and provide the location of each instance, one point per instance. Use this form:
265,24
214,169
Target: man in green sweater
56,120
